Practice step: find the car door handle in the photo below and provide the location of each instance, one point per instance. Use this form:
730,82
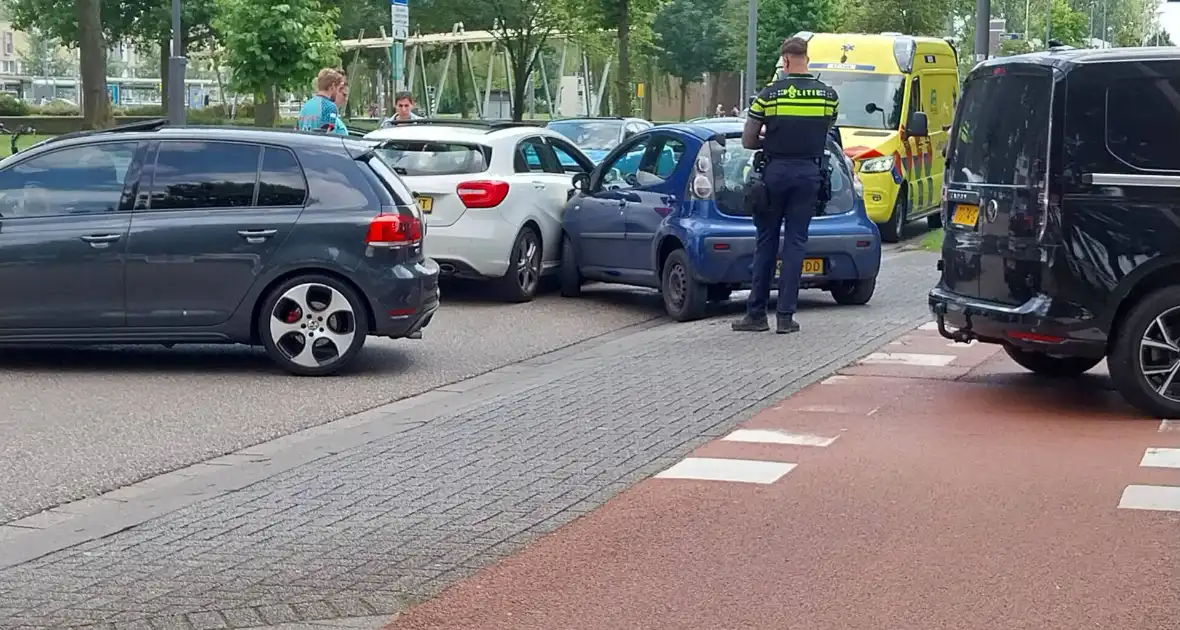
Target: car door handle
100,241
256,236
537,184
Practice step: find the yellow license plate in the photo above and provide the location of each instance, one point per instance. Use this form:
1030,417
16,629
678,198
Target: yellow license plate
811,267
966,215
425,203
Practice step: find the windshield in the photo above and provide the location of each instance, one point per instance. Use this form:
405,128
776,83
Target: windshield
858,90
433,158
989,143
731,167
592,135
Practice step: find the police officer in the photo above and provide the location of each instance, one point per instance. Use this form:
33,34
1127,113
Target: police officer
797,110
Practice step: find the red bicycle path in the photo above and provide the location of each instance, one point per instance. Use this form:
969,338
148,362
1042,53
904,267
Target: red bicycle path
959,492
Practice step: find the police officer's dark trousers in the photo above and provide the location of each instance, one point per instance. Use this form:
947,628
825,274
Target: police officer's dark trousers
793,187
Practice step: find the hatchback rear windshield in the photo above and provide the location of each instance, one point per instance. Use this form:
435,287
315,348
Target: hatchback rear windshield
408,157
1005,144
731,168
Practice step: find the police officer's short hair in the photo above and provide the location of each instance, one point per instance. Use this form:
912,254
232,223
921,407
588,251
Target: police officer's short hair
793,47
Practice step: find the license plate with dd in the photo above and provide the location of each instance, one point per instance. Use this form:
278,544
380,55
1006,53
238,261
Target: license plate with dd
966,215
425,203
811,267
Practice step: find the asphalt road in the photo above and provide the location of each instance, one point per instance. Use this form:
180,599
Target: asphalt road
83,421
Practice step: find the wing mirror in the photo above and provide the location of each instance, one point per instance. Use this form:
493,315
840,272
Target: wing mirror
918,126
581,182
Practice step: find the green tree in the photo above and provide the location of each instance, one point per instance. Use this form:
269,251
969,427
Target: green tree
273,45
777,20
625,17
150,26
41,57
690,42
912,17
1069,26
60,20
522,27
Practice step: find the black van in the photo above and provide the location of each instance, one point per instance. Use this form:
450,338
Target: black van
1061,209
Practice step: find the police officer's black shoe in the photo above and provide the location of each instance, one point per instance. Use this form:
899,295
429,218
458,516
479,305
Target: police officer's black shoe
786,324
751,324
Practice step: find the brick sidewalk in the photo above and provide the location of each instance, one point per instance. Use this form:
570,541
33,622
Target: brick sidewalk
371,529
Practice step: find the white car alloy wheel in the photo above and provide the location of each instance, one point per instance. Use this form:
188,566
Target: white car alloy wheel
312,327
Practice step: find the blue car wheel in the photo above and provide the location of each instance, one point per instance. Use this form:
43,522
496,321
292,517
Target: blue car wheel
855,292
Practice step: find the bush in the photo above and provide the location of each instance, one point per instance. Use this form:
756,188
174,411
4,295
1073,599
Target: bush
56,108
12,106
142,110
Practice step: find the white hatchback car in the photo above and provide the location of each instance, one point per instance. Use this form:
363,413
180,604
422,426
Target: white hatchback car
492,193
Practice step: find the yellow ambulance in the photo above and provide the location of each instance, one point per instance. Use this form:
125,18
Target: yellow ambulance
882,79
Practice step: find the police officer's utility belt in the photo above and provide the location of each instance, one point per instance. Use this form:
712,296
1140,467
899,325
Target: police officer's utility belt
756,196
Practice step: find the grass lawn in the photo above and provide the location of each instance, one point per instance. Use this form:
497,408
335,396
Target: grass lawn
931,241
24,143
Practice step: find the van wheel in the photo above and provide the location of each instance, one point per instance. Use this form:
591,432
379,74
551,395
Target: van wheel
1047,365
570,276
684,298
1145,357
891,230
855,293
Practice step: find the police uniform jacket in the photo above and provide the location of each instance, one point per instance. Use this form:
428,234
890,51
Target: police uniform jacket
797,111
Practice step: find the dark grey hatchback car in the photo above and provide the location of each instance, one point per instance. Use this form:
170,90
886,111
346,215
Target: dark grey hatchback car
302,243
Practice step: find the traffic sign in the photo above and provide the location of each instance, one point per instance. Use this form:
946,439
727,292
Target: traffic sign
1011,36
400,11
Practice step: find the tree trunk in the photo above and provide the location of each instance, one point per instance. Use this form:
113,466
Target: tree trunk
96,103
265,107
520,72
683,97
165,45
623,78
220,83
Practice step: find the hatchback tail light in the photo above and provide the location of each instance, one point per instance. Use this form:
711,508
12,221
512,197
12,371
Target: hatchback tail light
392,230
482,193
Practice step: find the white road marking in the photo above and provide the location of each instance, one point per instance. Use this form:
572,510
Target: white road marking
825,409
770,436
908,358
929,326
1161,458
832,380
738,470
1169,425
1162,498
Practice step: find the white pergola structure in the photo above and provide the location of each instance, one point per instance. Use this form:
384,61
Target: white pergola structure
458,37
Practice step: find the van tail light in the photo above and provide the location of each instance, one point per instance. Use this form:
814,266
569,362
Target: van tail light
484,193
394,230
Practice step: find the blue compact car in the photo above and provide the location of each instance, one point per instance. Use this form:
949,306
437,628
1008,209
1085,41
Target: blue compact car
664,210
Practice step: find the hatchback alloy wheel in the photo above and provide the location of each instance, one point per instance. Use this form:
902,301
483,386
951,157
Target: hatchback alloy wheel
528,264
312,325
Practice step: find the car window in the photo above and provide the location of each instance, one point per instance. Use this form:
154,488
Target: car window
992,146
204,175
77,180
732,164
622,172
670,154
406,157
566,162
1143,122
281,182
529,154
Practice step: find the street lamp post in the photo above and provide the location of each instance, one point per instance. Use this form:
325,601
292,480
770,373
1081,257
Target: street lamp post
983,17
752,50
176,67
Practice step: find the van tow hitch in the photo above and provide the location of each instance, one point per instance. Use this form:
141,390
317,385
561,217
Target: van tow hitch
960,335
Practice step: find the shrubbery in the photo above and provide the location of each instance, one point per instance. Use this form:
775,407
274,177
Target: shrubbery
211,115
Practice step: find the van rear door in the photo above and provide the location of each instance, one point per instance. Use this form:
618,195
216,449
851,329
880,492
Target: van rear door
995,184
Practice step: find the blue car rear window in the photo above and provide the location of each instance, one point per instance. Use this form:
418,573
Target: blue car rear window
731,168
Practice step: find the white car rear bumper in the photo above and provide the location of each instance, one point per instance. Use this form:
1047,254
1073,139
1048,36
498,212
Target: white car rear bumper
478,244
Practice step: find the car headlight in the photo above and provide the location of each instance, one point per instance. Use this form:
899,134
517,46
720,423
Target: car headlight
877,164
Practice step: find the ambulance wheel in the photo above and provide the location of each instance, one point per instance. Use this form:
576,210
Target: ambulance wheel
891,230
